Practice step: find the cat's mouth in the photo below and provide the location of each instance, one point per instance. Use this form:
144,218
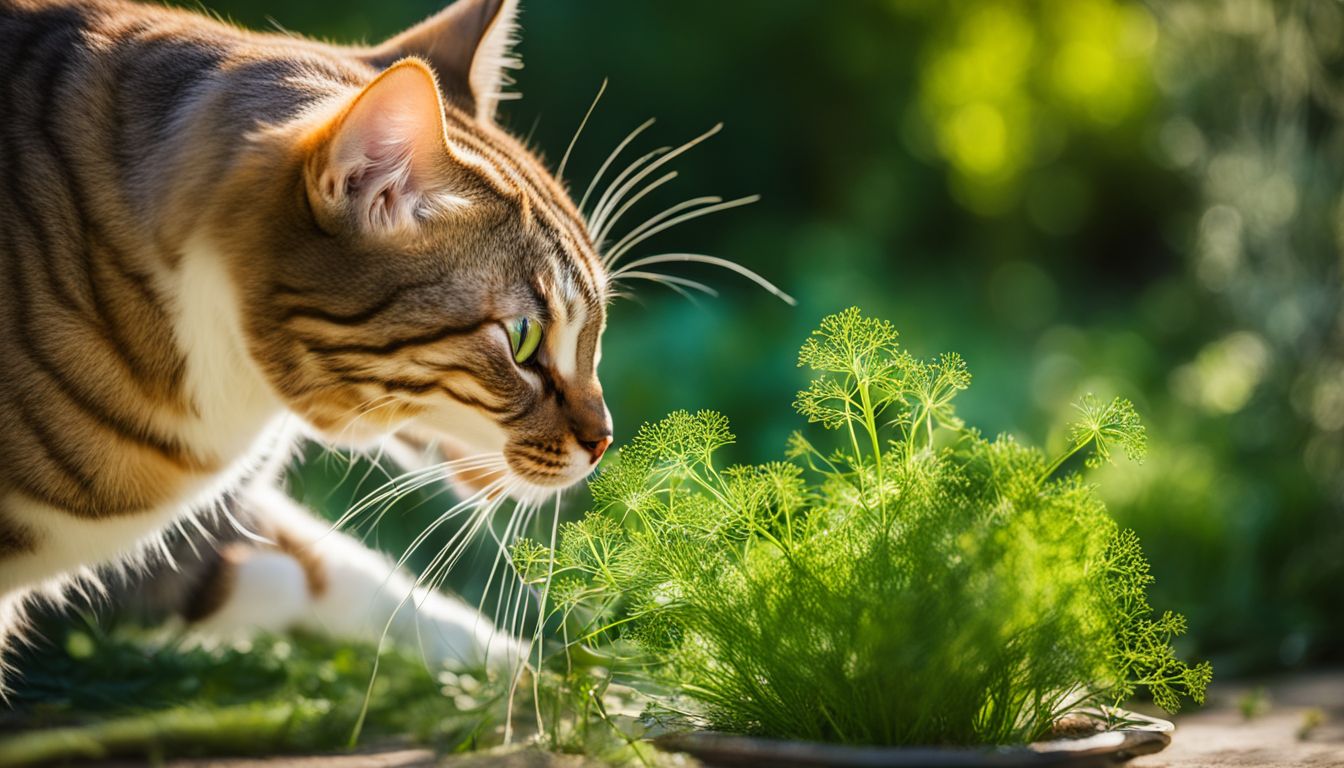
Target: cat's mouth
548,466
523,470
490,484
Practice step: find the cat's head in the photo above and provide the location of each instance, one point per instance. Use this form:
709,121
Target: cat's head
438,276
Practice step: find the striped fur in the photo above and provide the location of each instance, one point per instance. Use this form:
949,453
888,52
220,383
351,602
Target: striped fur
209,234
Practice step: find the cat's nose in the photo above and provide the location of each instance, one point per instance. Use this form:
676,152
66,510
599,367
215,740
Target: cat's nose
596,448
593,433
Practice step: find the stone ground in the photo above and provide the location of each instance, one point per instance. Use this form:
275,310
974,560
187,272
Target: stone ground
1220,735
1216,736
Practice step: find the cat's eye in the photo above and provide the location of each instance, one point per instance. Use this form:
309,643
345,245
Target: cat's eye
524,337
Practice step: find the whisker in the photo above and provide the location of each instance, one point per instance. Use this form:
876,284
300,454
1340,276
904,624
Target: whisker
671,281
390,498
364,409
564,161
535,640
612,158
619,182
377,519
604,205
632,240
601,235
471,502
478,515
699,258
398,485
516,609
610,258
501,555
375,463
393,487
524,590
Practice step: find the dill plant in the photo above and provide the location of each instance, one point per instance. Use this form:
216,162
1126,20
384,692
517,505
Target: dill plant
918,584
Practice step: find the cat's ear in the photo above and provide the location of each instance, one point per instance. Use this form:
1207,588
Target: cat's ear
468,44
381,161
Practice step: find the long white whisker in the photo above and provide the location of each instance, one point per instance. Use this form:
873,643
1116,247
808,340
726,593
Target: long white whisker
365,409
604,206
607,226
516,609
523,588
699,258
633,240
610,258
471,501
377,518
501,555
670,281
619,182
564,161
535,640
397,486
452,551
612,158
480,514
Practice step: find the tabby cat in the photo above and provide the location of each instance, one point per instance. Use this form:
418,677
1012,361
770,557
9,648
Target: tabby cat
215,241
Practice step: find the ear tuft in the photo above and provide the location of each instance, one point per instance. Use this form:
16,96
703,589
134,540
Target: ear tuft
385,158
469,44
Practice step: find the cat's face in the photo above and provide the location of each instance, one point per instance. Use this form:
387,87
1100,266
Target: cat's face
424,269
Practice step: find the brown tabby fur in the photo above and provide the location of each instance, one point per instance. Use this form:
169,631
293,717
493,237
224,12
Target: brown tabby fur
143,147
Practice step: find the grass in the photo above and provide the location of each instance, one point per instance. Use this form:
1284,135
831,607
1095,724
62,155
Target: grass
89,693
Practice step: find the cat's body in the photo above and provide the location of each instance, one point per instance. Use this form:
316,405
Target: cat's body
212,241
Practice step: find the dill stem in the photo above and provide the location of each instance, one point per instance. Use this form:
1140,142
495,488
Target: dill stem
870,423
1060,461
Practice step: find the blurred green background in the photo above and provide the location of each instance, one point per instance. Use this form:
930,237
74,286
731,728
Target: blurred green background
1077,195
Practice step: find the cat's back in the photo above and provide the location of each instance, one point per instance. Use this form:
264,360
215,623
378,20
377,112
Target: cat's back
89,30
117,121
140,49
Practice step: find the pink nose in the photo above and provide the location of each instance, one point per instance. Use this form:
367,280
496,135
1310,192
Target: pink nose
596,448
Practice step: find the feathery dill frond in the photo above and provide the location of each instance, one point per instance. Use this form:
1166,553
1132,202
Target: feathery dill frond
1103,425
923,585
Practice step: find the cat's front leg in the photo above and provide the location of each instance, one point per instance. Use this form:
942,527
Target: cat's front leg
311,577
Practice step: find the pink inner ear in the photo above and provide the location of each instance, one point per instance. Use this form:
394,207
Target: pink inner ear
382,157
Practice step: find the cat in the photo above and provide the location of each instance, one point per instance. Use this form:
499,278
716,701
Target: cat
216,242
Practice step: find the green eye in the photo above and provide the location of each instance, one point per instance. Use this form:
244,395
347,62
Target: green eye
524,336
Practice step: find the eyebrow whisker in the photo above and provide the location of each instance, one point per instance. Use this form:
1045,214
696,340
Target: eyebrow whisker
612,158
608,225
603,208
564,161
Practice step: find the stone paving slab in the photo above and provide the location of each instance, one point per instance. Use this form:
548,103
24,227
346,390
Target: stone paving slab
1221,736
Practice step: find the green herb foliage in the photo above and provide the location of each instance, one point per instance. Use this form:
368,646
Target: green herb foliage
89,693
919,584
95,694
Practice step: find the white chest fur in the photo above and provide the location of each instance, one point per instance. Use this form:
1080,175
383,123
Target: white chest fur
237,422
